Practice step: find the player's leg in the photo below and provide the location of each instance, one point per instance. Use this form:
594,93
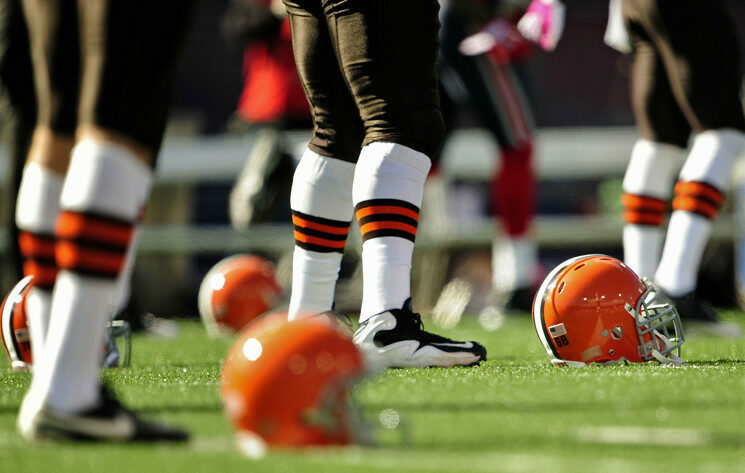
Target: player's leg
495,94
321,196
513,187
656,157
54,49
19,99
388,50
125,89
698,46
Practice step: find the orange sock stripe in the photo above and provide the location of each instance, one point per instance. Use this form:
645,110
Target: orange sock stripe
386,209
33,245
641,202
79,226
695,205
700,190
643,218
301,222
372,226
299,237
44,274
77,257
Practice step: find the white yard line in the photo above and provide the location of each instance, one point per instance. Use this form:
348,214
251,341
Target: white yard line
639,435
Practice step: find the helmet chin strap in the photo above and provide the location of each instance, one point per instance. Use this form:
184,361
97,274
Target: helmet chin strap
672,359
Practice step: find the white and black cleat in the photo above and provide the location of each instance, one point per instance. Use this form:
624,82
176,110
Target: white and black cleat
109,421
704,317
397,339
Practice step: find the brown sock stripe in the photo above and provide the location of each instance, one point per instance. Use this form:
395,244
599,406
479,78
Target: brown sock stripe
38,252
92,244
698,197
100,230
695,205
700,190
643,210
387,217
642,218
44,273
319,234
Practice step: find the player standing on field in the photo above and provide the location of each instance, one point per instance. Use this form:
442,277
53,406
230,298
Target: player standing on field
368,68
103,71
479,73
685,78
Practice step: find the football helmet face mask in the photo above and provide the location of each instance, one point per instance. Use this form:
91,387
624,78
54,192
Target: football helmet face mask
595,309
14,326
236,291
284,384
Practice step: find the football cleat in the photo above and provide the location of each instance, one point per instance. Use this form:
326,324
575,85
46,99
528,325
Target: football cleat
266,177
705,317
520,300
108,421
236,291
595,309
284,384
397,339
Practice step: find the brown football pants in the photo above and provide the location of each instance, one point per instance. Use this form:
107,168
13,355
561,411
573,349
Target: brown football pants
686,68
368,68
128,51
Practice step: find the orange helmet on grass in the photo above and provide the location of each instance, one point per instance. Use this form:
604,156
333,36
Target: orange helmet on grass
236,291
14,330
285,384
595,309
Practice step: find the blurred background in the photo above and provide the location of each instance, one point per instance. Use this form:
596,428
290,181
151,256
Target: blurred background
580,100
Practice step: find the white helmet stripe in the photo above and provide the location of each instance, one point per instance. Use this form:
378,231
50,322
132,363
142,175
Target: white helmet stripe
7,319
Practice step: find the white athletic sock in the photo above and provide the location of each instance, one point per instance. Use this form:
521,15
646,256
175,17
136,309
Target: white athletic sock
104,191
321,202
648,185
388,185
686,240
642,246
37,209
514,263
698,196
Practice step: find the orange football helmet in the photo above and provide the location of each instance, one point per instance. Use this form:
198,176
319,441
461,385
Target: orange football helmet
595,309
236,291
14,326
285,384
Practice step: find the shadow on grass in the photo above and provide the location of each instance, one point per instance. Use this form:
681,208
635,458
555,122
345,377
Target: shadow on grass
548,406
157,408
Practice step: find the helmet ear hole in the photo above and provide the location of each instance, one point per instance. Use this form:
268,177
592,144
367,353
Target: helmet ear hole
616,333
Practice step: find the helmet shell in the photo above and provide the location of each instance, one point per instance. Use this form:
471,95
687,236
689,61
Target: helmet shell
236,291
582,311
286,382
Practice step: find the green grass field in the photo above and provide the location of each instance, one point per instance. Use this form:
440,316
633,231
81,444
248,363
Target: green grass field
515,413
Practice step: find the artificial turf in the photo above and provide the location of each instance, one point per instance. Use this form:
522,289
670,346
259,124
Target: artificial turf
514,413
